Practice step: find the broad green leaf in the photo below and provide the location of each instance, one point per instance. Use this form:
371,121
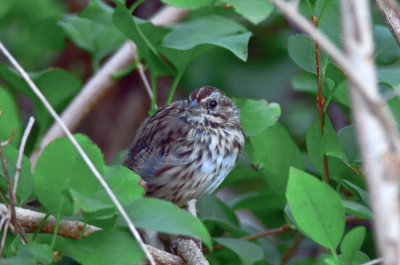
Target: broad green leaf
326,259
357,209
302,51
212,30
257,115
97,39
254,10
270,150
317,208
163,216
25,184
61,168
104,248
48,34
99,12
10,121
213,210
329,19
248,252
351,244
349,144
188,4
318,145
389,76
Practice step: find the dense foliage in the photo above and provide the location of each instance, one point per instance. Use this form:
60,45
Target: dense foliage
250,52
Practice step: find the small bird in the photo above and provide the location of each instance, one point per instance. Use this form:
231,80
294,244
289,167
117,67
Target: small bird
187,148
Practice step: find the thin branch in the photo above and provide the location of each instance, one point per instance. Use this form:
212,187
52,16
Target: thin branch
320,102
21,154
373,262
144,80
390,11
102,81
292,250
31,221
81,152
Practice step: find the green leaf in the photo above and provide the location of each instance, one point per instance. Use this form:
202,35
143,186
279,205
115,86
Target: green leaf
25,184
349,144
163,216
270,151
351,244
357,209
41,253
61,168
356,190
248,252
389,76
317,209
97,39
188,4
318,146
10,121
302,51
211,30
213,210
58,86
48,34
386,48
257,115
104,248
255,10
134,30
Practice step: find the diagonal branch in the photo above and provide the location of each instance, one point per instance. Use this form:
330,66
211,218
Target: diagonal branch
80,150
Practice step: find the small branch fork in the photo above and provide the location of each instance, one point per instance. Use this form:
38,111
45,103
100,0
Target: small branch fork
320,101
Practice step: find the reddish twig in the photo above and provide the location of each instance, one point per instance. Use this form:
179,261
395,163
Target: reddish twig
292,250
320,101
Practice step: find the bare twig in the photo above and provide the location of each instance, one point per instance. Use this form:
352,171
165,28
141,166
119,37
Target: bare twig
102,81
21,154
81,152
373,262
320,102
379,141
30,222
390,10
144,80
4,222
292,250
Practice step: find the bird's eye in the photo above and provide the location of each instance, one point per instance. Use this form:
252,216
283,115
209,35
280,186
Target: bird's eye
213,104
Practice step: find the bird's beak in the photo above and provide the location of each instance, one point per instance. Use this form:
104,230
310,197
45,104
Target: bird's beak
194,103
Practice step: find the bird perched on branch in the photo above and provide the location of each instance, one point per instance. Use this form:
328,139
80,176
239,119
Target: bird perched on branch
186,149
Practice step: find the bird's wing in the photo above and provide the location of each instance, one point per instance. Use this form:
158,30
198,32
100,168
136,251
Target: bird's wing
159,143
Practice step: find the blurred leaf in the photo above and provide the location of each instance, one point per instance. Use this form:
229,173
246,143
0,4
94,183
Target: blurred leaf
47,33
386,48
302,51
255,10
41,253
318,146
25,184
355,190
348,142
329,19
10,121
188,4
248,252
351,244
5,5
389,76
163,216
129,26
211,30
357,209
257,115
326,259
99,12
97,39
212,209
317,209
270,150
104,247
60,168
57,85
